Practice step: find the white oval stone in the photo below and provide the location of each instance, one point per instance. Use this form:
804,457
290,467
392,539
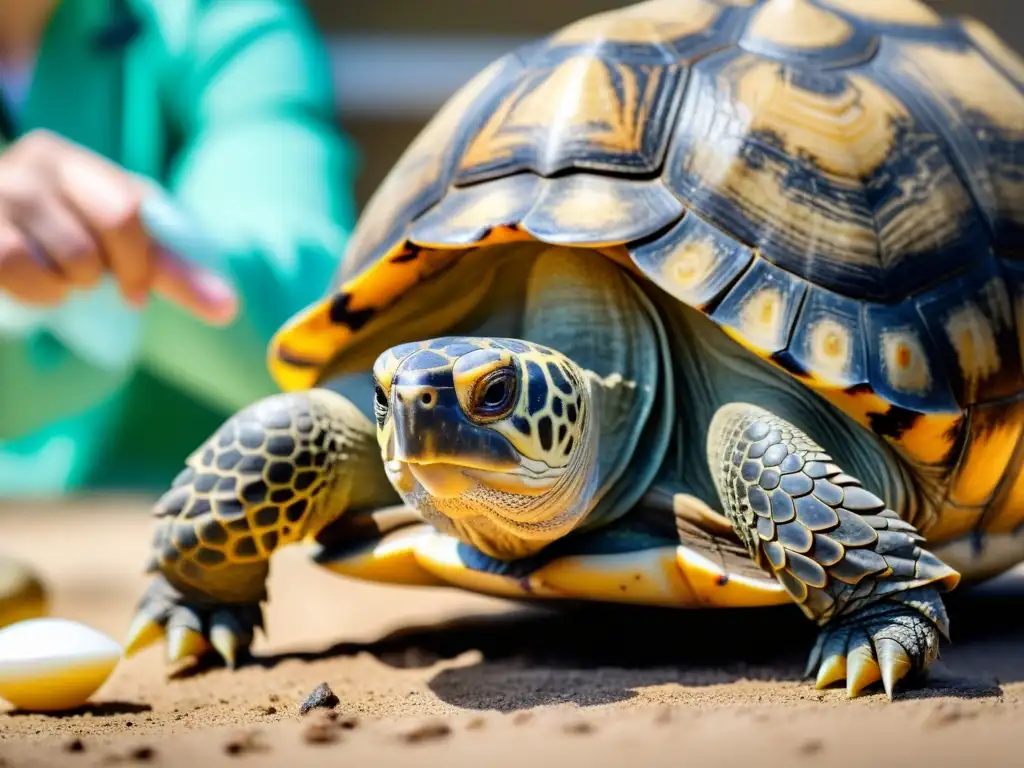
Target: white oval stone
51,664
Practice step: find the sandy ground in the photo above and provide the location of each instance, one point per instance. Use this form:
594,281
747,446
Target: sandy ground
440,677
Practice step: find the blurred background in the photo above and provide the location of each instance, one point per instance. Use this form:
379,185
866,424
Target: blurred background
396,61
99,396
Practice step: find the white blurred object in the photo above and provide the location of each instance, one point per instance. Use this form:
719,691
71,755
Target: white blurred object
52,665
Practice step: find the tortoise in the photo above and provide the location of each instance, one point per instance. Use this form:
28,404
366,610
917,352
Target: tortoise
693,303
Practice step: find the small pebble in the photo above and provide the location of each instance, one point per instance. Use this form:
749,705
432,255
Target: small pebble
320,733
520,718
579,727
322,697
75,745
946,714
246,743
426,732
326,727
142,754
476,724
348,722
811,747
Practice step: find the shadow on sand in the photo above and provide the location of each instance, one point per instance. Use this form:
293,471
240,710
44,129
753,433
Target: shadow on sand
597,654
104,709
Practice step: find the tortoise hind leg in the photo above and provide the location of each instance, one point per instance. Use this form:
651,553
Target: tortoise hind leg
277,472
851,564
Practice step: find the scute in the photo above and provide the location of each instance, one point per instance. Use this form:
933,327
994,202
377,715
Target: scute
420,176
599,95
979,114
800,32
559,116
762,307
839,184
694,261
828,342
826,172
912,13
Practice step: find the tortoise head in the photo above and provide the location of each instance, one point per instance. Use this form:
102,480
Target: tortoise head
490,439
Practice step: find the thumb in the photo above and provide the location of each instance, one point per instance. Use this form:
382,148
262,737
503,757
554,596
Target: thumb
195,289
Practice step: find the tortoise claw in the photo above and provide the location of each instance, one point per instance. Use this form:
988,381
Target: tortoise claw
861,668
142,633
894,662
183,642
226,643
229,636
832,670
886,642
191,628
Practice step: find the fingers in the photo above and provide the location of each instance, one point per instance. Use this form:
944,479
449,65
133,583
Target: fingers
107,201
195,289
25,272
68,215
67,243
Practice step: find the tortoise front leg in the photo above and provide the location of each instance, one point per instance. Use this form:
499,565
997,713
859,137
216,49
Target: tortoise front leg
275,473
850,563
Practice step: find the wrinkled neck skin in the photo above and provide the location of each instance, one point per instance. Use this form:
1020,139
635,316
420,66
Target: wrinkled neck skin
508,525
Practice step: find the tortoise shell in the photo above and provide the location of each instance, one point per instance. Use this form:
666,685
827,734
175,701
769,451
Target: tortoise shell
838,184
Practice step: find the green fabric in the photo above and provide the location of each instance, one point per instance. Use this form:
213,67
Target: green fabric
227,106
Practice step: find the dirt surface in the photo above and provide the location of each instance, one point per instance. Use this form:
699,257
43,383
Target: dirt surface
440,677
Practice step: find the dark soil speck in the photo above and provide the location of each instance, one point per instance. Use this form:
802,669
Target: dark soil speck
430,731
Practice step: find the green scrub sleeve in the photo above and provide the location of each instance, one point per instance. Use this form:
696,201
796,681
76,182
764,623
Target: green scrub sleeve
260,190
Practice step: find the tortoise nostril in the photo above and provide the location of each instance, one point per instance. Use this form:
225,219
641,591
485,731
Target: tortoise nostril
412,396
419,396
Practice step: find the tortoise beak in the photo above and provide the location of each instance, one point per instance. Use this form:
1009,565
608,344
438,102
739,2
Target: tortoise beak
430,428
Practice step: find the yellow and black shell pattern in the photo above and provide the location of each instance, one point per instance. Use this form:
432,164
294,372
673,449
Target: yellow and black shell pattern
838,184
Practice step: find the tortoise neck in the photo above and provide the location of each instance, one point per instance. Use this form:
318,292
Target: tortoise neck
586,307
591,310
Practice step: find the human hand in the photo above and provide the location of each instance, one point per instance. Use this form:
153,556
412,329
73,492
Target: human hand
68,216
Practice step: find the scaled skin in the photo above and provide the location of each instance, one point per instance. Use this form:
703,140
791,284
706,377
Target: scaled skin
510,446
491,440
819,348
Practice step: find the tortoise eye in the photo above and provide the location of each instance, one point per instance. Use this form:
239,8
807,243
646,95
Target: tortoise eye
380,404
494,395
